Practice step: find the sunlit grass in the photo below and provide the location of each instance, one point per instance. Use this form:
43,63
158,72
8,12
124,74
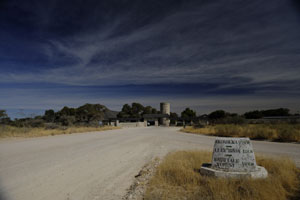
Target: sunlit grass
272,132
10,131
177,177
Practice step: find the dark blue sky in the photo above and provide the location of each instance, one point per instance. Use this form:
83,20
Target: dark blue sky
235,55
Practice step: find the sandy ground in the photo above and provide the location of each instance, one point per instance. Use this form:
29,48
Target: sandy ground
98,165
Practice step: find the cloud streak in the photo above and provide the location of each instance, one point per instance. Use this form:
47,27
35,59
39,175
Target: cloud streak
216,48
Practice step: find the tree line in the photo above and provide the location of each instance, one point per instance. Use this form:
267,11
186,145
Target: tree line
87,114
91,114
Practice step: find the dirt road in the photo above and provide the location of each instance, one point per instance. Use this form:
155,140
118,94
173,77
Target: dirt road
99,165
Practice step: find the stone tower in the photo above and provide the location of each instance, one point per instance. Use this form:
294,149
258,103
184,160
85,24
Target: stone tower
165,109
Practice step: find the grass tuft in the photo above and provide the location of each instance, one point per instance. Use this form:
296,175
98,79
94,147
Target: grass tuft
177,177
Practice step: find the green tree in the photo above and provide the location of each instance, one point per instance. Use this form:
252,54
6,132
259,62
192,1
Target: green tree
253,114
148,110
90,113
4,119
66,120
173,116
127,109
125,112
3,114
49,115
188,114
218,114
154,111
256,114
137,110
276,112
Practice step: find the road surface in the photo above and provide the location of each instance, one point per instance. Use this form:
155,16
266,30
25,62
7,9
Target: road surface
98,165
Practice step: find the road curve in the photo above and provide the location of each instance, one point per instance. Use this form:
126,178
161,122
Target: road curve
98,165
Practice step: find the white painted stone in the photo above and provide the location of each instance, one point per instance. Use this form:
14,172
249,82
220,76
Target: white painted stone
233,154
233,157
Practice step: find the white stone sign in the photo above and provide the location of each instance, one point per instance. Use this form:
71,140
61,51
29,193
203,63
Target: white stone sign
233,157
233,154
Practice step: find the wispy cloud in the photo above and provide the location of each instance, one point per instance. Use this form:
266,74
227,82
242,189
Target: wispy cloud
232,48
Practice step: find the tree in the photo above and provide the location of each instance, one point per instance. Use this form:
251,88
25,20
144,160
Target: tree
256,114
127,109
148,110
276,112
188,114
218,114
173,116
3,114
253,114
154,111
67,111
4,119
49,115
89,113
125,112
66,120
137,110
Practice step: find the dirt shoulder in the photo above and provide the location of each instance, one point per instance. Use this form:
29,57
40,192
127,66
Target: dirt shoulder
141,181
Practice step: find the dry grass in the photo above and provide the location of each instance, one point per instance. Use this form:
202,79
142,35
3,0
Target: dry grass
272,132
10,131
177,178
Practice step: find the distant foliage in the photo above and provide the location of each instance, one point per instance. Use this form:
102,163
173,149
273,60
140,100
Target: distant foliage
92,114
86,115
136,110
256,114
253,114
173,118
188,114
173,115
222,117
49,116
218,114
4,119
2,114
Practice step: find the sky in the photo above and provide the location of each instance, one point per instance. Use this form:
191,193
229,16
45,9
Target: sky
236,55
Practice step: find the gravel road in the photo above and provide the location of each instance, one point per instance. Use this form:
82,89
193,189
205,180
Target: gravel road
98,165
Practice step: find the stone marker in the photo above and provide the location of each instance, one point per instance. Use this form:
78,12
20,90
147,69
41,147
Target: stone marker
233,157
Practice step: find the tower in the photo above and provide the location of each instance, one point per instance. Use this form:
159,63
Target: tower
165,109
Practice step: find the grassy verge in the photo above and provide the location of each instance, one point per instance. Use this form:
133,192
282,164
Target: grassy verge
177,178
10,131
272,132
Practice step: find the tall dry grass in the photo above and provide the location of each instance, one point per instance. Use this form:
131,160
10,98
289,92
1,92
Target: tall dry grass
177,177
10,131
272,132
